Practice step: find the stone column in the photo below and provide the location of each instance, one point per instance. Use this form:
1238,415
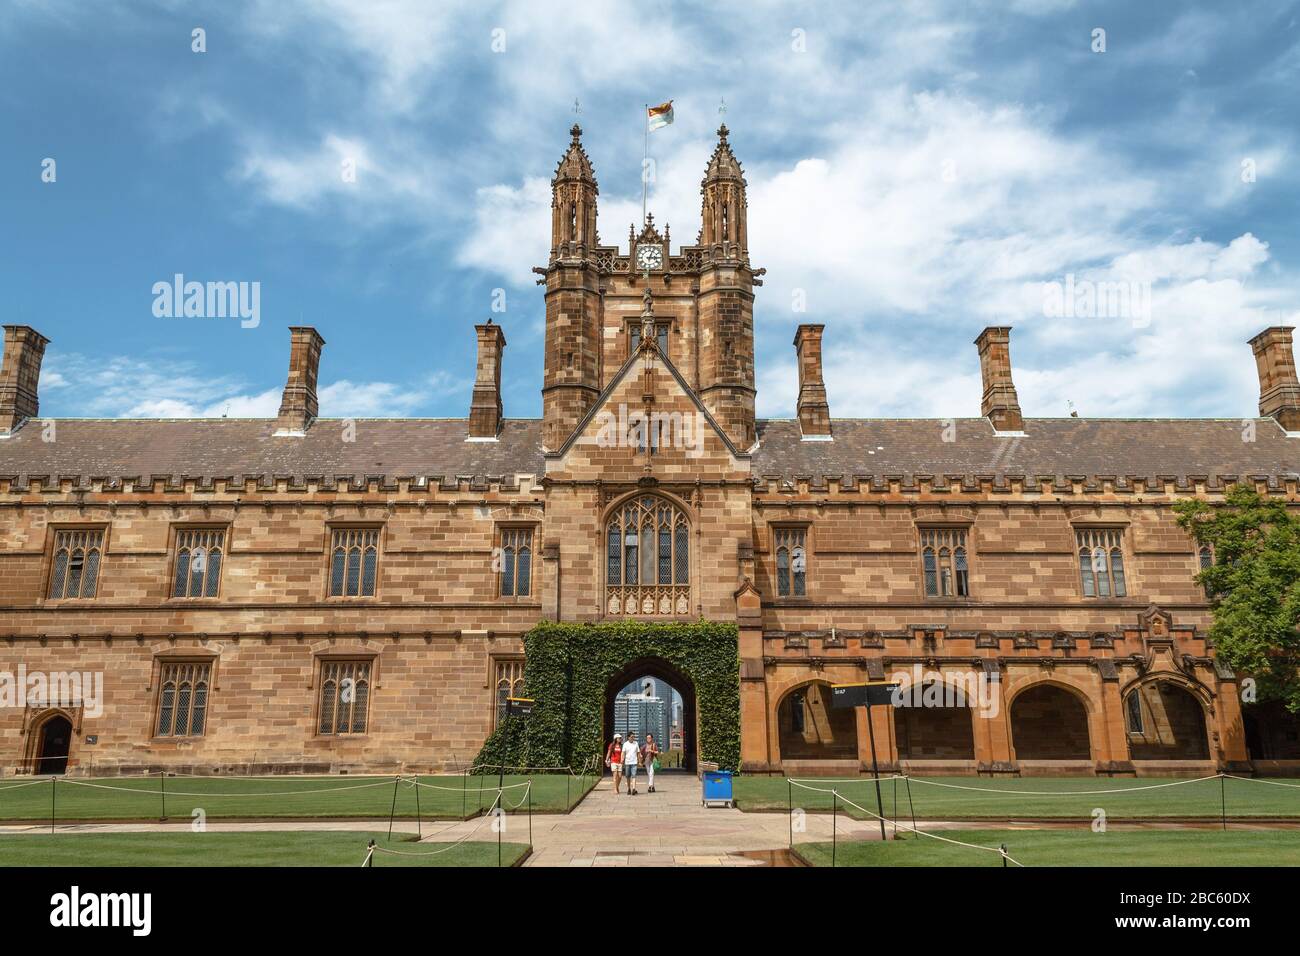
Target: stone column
755,753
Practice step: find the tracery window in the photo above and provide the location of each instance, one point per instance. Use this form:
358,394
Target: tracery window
344,696
183,698
77,554
516,562
1205,561
791,561
509,683
648,543
199,554
1101,562
661,336
354,562
944,562
1133,705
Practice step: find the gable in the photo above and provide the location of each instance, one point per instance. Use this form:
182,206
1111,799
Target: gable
608,442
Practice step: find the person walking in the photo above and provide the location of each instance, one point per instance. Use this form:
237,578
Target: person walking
631,757
614,759
650,757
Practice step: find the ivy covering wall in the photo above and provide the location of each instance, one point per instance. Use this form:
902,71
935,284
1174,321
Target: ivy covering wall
567,670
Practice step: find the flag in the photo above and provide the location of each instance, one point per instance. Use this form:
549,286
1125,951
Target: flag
657,117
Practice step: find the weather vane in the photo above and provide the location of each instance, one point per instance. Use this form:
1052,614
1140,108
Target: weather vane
577,107
722,105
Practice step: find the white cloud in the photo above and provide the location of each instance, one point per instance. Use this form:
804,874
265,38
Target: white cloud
121,387
914,186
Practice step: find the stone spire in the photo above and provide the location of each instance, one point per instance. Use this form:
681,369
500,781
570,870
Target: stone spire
723,204
573,202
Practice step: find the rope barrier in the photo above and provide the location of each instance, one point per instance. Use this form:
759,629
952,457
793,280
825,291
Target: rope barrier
266,793
934,836
1063,793
1272,783
18,786
430,786
449,846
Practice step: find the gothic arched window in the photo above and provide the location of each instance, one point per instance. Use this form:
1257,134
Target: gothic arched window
943,562
75,572
648,569
1101,562
726,220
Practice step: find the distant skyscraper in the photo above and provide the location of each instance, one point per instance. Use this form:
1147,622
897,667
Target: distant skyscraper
643,707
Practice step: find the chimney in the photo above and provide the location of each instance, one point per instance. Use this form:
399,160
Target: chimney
485,405
999,404
814,411
20,372
1279,390
299,408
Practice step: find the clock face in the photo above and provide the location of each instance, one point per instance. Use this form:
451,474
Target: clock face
649,257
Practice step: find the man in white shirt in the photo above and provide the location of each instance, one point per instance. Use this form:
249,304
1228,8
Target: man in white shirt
631,755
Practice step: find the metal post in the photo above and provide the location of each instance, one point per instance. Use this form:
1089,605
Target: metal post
53,786
1223,800
895,807
370,855
464,793
162,781
645,154
419,827
910,807
1003,847
501,824
393,811
530,815
875,772
789,807
835,806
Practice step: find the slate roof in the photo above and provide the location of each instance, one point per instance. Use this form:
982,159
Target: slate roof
222,448
1059,447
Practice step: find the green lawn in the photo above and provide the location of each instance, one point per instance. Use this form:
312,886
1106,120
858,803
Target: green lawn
140,798
240,849
1071,848
1245,798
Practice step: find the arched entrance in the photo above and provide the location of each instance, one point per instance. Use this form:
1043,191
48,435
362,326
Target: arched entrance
1049,723
1272,731
52,738
641,714
1165,721
809,728
929,731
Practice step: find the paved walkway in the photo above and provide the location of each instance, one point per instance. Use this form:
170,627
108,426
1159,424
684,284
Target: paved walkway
666,828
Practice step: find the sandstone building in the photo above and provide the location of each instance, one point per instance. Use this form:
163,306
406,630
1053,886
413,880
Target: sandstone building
308,593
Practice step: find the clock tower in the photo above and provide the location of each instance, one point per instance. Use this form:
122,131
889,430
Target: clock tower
703,299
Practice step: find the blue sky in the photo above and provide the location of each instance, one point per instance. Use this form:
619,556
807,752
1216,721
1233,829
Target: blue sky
916,171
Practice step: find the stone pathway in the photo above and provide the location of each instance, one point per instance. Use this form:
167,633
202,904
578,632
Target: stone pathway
665,828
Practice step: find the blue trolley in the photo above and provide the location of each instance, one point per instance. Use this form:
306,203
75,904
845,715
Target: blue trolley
717,787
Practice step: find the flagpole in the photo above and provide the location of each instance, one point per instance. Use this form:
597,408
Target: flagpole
645,155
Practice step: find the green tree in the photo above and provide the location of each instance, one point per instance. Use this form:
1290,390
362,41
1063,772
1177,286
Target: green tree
1254,587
